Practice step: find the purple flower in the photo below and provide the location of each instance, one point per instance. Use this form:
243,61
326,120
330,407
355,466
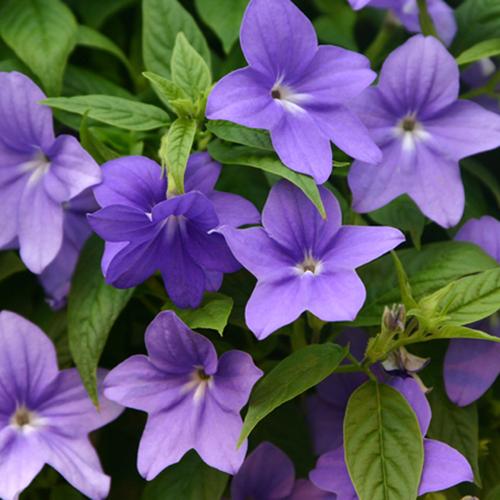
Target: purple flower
407,12
477,75
268,474
45,414
39,173
303,262
192,399
146,232
56,278
471,366
415,116
296,90
443,465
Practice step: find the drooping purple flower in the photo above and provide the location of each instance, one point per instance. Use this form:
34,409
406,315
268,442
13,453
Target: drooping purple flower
471,366
39,173
193,399
56,278
443,465
423,129
45,414
477,75
145,232
303,262
295,89
268,474
407,12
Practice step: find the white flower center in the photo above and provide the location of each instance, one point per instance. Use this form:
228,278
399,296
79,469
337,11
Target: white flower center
411,131
309,266
287,97
25,421
198,383
38,166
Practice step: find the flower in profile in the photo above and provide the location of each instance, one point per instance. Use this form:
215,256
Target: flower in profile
296,90
408,13
145,232
471,366
56,278
39,173
423,129
303,262
193,399
45,414
268,474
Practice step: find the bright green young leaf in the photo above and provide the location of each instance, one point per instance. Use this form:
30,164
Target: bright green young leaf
403,282
116,111
161,21
10,264
242,155
189,479
455,426
384,448
224,17
486,48
42,33
166,90
179,142
213,313
298,372
452,331
93,307
189,70
232,132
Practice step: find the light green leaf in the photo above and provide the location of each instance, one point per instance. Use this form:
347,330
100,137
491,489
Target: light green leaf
452,331
179,142
224,17
93,307
166,90
486,48
162,20
116,111
232,132
294,375
93,145
10,264
213,313
189,70
42,33
189,479
242,155
384,448
403,282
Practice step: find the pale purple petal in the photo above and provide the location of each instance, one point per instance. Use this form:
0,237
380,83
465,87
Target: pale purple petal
202,173
484,232
233,210
9,208
444,467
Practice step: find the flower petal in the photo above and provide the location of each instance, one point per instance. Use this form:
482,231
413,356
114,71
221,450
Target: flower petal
202,173
484,232
234,210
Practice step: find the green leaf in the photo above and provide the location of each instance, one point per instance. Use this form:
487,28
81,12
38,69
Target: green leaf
493,494
384,449
89,37
166,90
116,111
294,375
456,426
486,48
93,307
486,177
452,331
336,27
42,33
162,20
213,313
473,298
403,282
10,264
93,145
224,17
179,142
242,155
95,12
189,70
232,132
189,479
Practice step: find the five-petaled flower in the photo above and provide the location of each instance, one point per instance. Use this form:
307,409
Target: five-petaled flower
45,414
193,399
146,232
423,129
296,90
303,262
39,173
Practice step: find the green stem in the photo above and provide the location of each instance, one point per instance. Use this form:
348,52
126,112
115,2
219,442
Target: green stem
361,367
375,52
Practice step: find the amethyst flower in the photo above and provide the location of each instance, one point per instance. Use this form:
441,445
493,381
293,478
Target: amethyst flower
471,366
192,399
38,174
295,89
423,129
303,262
146,232
56,278
268,474
407,12
477,75
45,414
443,466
